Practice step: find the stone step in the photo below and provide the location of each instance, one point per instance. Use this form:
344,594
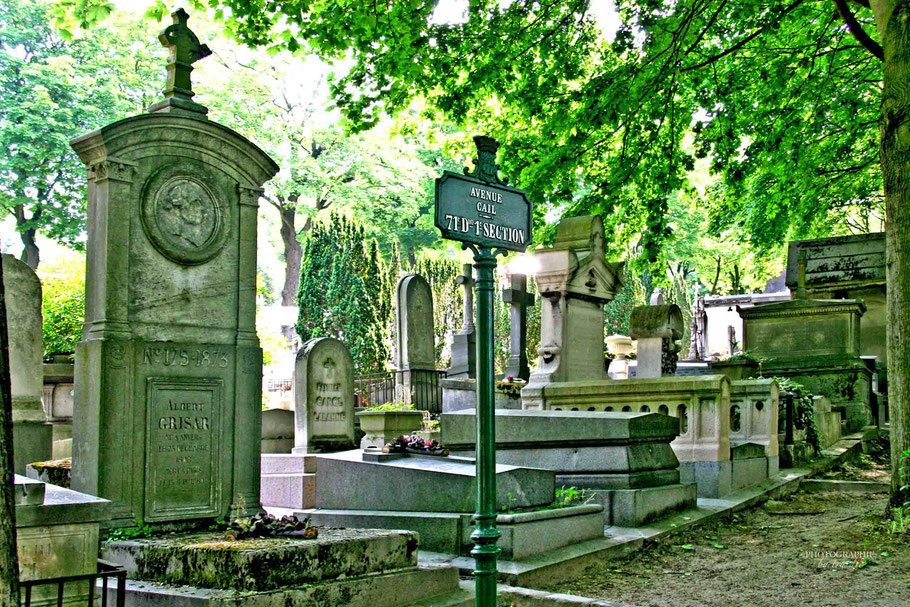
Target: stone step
286,463
294,490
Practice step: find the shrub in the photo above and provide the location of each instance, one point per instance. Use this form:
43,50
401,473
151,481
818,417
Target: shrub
63,303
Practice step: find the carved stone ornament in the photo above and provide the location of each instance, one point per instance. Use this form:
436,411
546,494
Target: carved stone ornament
182,216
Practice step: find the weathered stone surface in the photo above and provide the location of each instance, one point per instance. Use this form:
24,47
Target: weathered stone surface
518,298
574,281
32,435
459,394
657,328
422,483
324,397
381,427
169,371
754,407
464,343
429,586
524,534
209,561
57,536
277,431
414,307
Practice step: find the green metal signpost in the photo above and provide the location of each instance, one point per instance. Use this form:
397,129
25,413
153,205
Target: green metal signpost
487,216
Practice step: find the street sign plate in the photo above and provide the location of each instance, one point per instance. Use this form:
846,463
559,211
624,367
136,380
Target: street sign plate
471,210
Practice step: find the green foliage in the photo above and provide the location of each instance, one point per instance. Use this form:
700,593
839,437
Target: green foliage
54,87
618,311
803,407
399,406
140,531
448,310
62,303
341,283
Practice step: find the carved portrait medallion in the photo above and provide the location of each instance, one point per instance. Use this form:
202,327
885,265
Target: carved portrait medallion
182,216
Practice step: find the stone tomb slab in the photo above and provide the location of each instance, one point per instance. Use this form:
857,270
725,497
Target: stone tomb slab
422,483
207,560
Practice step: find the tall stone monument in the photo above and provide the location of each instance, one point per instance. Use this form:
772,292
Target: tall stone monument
518,298
324,397
464,343
575,282
415,355
32,435
169,369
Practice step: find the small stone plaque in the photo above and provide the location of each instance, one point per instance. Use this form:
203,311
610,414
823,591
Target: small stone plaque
183,477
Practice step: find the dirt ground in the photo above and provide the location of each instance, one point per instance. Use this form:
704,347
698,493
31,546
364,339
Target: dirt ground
821,549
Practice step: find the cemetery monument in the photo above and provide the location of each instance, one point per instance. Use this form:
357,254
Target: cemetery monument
169,368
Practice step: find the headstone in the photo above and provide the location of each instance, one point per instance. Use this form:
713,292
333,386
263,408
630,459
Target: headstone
415,356
518,298
324,398
464,343
574,281
32,435
657,328
169,370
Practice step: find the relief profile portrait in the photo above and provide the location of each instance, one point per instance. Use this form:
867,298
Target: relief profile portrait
186,214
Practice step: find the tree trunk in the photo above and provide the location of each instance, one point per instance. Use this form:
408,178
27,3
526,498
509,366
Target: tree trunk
27,235
9,558
893,21
292,255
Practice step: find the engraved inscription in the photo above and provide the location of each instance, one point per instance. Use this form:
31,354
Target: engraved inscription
329,403
185,357
187,215
182,456
786,338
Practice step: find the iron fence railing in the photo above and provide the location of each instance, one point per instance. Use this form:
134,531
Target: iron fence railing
374,389
279,385
418,386
33,597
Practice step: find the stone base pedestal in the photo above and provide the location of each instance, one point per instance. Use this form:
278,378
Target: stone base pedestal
288,481
32,442
854,416
353,567
460,394
637,507
524,534
716,479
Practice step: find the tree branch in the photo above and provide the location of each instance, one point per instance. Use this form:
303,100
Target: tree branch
857,30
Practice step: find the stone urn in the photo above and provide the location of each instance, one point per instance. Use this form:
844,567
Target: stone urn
620,346
734,369
381,427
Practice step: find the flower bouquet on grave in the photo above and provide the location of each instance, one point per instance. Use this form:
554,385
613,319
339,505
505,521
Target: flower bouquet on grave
266,525
407,443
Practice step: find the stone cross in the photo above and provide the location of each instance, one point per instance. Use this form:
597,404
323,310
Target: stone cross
801,277
464,343
518,297
185,50
466,281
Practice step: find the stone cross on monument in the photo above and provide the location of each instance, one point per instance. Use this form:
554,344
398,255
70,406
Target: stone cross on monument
464,344
518,298
185,50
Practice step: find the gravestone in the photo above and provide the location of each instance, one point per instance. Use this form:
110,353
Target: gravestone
464,343
657,328
574,281
32,435
415,356
324,398
518,298
169,370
